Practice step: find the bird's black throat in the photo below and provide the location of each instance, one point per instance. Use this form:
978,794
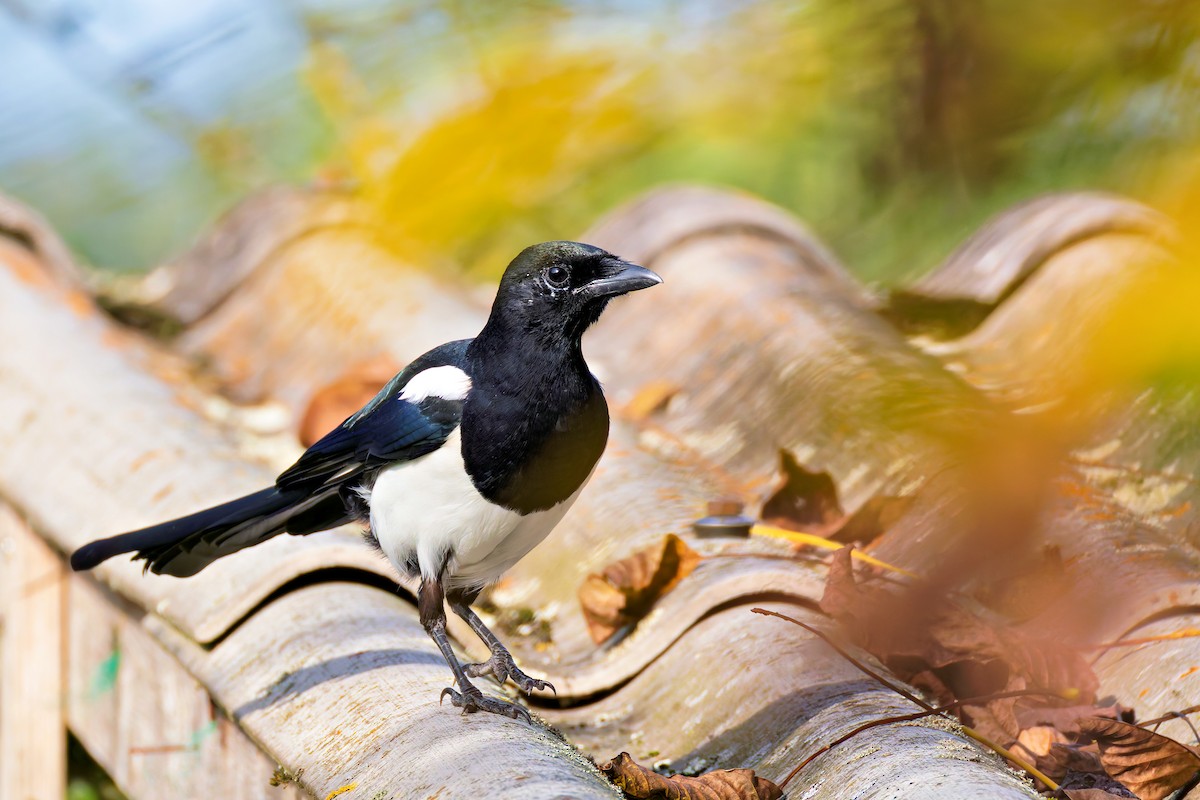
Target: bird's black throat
535,422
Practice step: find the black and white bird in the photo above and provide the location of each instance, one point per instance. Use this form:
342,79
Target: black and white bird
461,464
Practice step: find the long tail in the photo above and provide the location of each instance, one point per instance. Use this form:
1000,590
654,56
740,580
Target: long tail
184,546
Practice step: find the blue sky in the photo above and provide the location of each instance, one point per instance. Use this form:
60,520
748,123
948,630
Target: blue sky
101,103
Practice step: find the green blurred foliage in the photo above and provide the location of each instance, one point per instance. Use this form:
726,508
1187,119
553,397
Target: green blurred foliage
893,127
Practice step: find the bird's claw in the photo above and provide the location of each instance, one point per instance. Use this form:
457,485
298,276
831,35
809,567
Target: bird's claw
502,667
472,700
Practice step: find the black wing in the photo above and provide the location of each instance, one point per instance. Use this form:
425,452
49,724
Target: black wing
315,494
385,431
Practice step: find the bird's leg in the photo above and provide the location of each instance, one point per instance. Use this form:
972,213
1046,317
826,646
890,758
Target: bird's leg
468,698
501,664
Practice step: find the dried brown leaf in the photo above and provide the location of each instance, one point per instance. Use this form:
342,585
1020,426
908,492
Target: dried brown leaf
1064,758
1046,663
957,634
954,649
1065,718
340,398
643,783
803,500
992,659
995,719
1149,764
1028,592
914,633
1039,739
627,589
1089,794
844,599
650,399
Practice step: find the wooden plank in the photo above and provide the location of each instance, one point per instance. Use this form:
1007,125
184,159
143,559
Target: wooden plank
1123,511
144,718
140,451
768,694
295,324
1034,348
349,695
347,685
33,734
652,225
1015,243
192,285
729,575
1158,677
768,355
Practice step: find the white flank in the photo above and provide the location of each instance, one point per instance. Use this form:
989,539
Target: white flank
448,383
430,506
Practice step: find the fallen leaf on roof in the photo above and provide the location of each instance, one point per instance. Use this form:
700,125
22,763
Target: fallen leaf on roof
643,783
341,397
1038,740
627,589
1028,592
650,399
1089,794
1149,764
1045,663
996,719
803,499
948,633
954,649
1065,758
1066,718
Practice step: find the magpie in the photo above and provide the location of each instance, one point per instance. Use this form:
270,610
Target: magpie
459,466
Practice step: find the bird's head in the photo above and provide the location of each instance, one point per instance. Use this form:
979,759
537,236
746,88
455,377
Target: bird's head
555,290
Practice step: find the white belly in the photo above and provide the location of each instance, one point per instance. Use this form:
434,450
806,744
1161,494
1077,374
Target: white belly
429,506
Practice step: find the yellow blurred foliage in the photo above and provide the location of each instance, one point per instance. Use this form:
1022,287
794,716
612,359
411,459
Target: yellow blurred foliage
1151,334
892,126
458,189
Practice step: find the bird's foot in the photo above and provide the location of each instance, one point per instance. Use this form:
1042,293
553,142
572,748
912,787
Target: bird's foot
471,700
502,667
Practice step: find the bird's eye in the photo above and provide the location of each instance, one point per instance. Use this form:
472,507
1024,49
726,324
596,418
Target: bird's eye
557,276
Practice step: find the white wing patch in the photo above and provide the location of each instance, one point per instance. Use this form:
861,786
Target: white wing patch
446,382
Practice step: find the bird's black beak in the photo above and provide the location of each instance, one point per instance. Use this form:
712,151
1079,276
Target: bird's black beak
619,277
